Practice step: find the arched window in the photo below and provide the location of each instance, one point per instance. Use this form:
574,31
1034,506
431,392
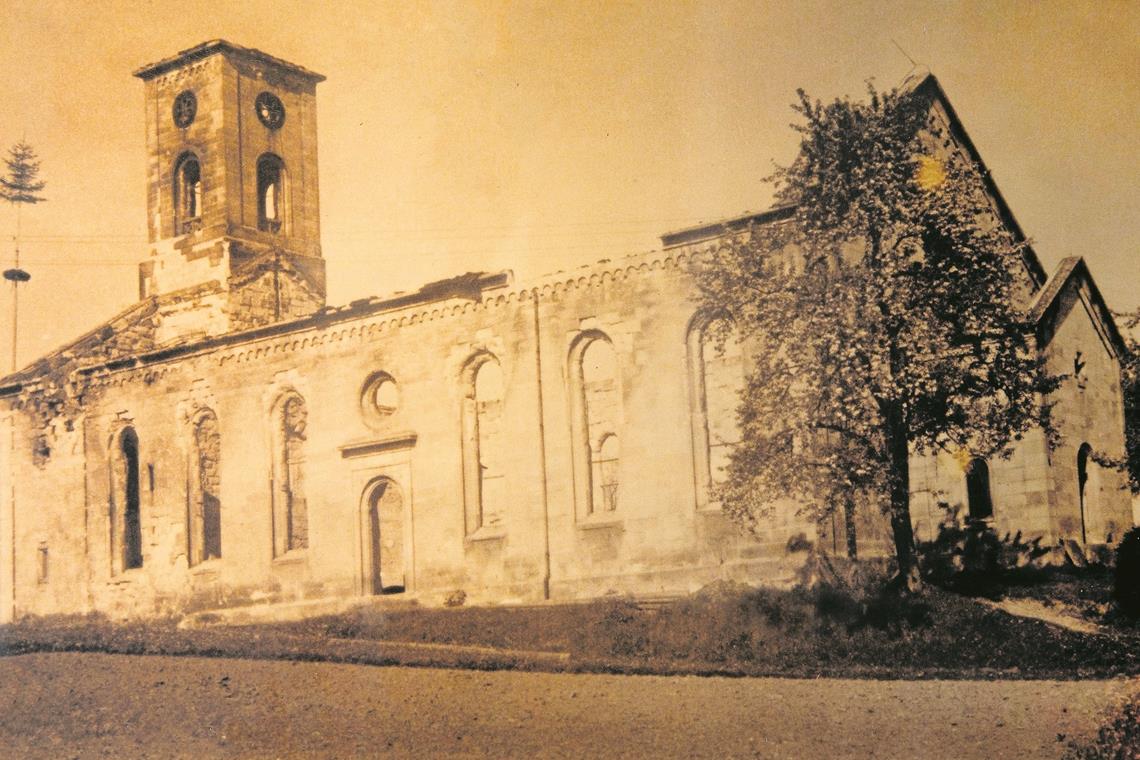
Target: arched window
290,507
716,377
1083,489
271,197
604,474
978,490
596,424
205,518
187,194
484,482
126,529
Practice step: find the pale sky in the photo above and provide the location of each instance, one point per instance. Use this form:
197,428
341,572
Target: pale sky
541,136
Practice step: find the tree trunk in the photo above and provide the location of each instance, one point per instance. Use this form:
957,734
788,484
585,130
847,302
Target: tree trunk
849,526
900,498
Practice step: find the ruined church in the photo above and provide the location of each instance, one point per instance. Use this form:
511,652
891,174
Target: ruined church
231,439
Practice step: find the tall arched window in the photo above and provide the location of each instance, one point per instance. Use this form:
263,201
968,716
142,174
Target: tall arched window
978,489
596,424
271,196
290,507
484,481
187,194
205,518
126,528
1083,490
716,377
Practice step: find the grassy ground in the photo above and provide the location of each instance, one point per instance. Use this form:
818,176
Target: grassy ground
725,628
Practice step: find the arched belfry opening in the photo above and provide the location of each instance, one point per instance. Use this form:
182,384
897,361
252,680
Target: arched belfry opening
187,194
271,194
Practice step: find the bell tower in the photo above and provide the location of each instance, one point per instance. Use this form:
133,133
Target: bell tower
232,197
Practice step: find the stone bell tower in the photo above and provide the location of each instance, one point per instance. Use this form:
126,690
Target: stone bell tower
232,196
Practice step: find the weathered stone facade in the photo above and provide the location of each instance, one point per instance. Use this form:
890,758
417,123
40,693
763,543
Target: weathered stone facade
229,439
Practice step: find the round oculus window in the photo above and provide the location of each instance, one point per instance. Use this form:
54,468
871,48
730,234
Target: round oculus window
185,109
380,398
270,110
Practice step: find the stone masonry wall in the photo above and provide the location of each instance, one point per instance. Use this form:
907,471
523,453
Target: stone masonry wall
658,542
660,538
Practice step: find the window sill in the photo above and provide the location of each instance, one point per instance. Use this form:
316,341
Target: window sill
123,577
292,557
710,508
595,522
207,567
191,225
485,534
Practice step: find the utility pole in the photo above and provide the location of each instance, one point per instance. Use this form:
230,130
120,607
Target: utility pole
20,186
15,275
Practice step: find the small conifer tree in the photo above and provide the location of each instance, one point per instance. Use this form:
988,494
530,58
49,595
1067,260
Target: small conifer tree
21,186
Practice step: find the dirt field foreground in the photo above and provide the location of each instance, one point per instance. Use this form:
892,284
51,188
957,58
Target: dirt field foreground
72,705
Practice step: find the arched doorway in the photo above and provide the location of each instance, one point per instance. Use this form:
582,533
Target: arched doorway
384,518
980,504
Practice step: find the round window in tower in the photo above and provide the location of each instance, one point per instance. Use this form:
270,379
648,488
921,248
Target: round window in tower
185,109
270,110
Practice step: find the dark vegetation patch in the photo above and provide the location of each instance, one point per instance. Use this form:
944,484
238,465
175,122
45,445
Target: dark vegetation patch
851,627
1102,588
1117,739
1126,586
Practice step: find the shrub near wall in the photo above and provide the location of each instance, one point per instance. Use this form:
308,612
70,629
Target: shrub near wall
1126,586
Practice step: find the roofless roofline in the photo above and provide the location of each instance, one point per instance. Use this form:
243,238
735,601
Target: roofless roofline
704,232
206,49
470,286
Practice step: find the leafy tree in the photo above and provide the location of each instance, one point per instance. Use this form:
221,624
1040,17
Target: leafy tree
884,305
22,185
1130,383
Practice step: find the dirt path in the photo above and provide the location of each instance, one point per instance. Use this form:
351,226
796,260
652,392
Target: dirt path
1032,608
92,705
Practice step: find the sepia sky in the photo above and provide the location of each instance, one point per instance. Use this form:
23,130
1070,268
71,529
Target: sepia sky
541,136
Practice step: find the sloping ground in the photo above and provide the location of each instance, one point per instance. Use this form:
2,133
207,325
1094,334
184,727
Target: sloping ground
1062,617
731,630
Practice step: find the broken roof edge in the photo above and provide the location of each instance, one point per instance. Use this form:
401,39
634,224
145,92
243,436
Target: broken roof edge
928,87
212,47
1046,303
469,286
31,369
712,230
